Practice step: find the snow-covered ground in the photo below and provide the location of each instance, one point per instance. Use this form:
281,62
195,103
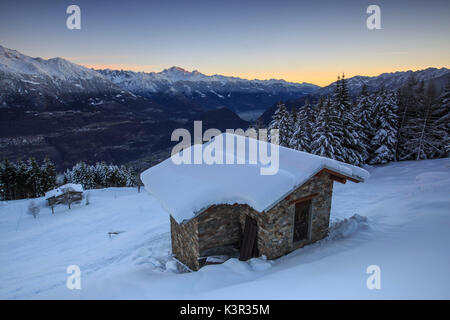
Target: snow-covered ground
399,220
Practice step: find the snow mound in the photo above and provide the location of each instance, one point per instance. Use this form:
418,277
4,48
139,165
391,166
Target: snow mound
186,189
431,177
346,227
431,181
260,263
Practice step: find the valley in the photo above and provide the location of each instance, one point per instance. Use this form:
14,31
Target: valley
71,113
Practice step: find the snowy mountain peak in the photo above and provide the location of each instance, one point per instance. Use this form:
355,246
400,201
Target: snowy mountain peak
174,74
175,69
44,81
9,53
12,61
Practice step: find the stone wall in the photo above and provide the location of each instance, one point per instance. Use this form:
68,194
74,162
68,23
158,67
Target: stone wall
275,233
219,226
185,242
223,224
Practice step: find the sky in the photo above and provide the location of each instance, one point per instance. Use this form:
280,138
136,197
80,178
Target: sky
295,40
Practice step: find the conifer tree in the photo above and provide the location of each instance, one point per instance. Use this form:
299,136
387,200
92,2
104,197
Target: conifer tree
68,176
3,185
347,128
333,140
34,176
440,117
385,139
325,142
282,121
364,115
302,134
294,114
408,104
7,177
419,139
48,179
21,180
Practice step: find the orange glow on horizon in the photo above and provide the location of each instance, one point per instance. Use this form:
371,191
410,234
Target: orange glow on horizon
320,78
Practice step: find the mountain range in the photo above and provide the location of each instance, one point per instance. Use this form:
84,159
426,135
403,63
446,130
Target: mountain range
245,97
69,112
391,80
54,83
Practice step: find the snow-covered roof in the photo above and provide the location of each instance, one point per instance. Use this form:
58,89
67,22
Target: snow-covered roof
62,189
186,189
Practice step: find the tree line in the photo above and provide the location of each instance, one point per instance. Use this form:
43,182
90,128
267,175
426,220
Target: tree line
26,179
100,175
29,179
411,123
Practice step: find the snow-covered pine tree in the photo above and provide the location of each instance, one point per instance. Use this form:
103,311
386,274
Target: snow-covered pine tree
427,138
325,142
3,185
430,137
89,178
365,116
130,174
34,177
407,102
418,137
349,126
48,178
77,173
84,174
100,174
117,179
282,121
440,118
294,113
414,112
386,125
8,180
339,104
21,180
68,176
302,133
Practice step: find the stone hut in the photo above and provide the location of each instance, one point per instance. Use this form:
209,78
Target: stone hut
219,211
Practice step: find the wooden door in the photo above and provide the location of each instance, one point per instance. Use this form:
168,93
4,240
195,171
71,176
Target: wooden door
302,220
249,247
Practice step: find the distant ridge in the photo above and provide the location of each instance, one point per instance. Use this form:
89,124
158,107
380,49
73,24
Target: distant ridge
389,80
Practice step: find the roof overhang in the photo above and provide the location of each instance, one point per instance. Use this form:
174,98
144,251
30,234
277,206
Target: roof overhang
338,176
334,175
